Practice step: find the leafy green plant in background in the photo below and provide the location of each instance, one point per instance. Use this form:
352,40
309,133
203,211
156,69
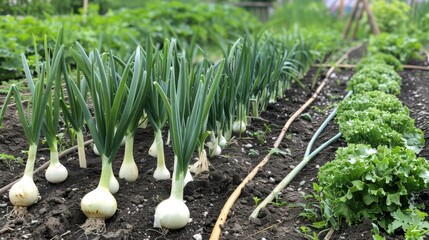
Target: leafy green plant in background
402,46
392,16
367,183
118,31
380,58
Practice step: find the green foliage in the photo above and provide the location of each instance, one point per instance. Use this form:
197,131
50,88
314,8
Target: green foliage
26,7
379,77
305,13
367,183
377,118
119,31
392,16
379,58
402,46
412,222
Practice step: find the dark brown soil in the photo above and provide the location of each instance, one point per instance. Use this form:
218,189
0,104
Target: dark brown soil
57,215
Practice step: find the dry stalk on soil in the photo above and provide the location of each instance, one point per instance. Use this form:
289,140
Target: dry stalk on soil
216,232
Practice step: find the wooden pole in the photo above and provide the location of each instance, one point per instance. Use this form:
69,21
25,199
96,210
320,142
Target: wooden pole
341,10
371,18
352,16
360,14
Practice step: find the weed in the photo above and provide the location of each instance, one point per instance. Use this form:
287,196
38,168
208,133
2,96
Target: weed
9,159
256,200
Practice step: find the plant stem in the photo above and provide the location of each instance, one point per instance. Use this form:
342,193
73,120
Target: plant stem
81,149
178,182
255,109
160,159
129,148
291,176
54,154
106,172
31,159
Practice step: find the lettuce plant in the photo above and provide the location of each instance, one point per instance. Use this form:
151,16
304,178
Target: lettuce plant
376,77
367,183
377,118
379,58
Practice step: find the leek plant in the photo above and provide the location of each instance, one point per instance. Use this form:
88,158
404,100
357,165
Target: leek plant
24,193
187,119
113,105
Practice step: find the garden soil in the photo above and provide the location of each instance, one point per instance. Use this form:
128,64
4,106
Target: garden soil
57,214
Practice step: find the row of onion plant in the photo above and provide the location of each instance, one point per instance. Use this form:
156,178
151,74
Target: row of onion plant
195,100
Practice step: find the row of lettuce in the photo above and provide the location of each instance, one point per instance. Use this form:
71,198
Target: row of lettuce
197,100
377,175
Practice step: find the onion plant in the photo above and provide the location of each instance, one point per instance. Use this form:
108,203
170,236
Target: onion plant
129,170
239,70
187,119
24,193
113,106
157,112
72,111
56,172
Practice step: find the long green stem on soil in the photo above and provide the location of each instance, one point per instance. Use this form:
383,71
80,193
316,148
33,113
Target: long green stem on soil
322,127
291,176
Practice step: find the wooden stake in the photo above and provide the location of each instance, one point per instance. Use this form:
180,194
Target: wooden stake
360,14
371,18
352,16
341,10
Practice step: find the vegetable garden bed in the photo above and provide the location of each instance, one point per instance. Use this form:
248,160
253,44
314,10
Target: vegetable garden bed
57,214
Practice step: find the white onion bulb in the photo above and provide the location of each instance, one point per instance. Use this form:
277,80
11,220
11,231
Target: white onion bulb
99,203
171,214
24,193
56,173
238,127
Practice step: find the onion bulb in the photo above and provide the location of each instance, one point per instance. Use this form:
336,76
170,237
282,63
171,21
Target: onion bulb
56,173
238,126
222,142
153,150
171,213
161,171
99,203
113,184
129,170
24,193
